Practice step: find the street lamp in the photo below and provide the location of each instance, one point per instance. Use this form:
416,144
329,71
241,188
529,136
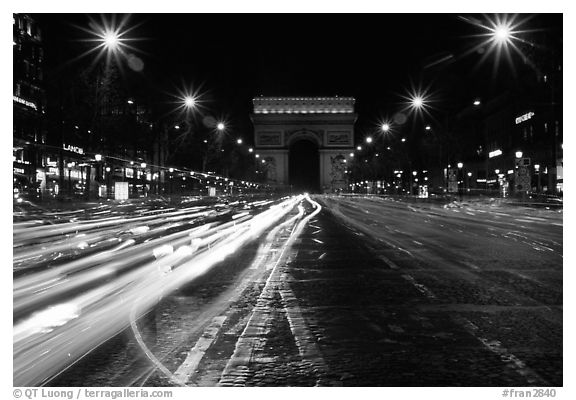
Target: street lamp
220,126
111,40
239,141
477,102
369,139
359,148
501,33
98,157
518,154
385,127
250,150
417,102
460,165
190,102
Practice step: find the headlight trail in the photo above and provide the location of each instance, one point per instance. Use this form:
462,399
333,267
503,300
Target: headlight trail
85,302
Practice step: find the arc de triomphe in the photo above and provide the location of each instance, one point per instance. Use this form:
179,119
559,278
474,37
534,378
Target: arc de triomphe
325,122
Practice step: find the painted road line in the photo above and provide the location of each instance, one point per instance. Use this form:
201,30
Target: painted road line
195,355
304,339
495,346
421,288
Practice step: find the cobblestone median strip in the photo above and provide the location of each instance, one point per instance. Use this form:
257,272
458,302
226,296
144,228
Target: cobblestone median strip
252,340
305,340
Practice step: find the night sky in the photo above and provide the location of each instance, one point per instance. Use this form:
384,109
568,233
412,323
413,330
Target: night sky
232,58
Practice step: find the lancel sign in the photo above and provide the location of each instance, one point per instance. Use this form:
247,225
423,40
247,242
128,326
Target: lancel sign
524,117
73,149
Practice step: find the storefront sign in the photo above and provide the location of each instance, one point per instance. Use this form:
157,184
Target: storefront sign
19,170
73,149
524,117
25,102
121,190
495,153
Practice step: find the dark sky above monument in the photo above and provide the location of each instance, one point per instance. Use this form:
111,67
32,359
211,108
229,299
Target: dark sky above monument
376,58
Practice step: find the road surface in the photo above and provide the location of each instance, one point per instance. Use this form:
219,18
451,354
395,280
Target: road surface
320,291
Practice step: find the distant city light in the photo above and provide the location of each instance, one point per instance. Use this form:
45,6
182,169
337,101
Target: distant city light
359,148
239,141
130,101
428,127
98,157
403,139
460,165
352,155
257,155
176,126
476,102
143,165
250,150
519,154
369,139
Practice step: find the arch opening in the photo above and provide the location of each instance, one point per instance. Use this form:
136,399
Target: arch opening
304,166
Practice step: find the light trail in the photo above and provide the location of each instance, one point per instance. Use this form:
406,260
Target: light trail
85,302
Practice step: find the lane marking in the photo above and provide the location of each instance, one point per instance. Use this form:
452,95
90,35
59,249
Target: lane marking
195,355
305,341
507,357
421,288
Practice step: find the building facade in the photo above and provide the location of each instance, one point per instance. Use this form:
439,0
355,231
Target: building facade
29,103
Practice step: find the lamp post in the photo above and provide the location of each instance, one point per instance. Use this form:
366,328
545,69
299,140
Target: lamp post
460,182
70,165
108,182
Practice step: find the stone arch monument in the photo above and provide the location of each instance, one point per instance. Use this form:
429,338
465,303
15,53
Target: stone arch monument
327,122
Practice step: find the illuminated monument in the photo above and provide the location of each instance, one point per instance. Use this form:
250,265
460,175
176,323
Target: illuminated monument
304,142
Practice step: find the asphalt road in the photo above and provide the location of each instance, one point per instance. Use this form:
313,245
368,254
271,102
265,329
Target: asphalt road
348,291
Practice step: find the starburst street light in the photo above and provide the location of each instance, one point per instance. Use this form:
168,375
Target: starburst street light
385,127
220,126
369,139
112,39
189,101
417,100
501,35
